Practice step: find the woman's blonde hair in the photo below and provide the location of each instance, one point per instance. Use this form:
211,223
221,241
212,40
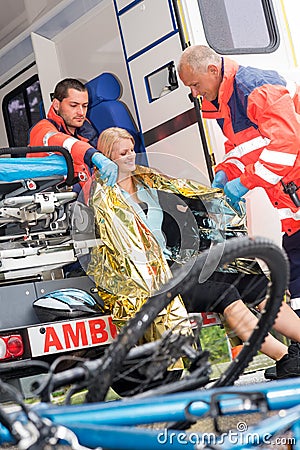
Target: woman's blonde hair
109,137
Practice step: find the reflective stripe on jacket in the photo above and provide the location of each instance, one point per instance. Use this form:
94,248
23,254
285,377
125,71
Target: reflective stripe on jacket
258,112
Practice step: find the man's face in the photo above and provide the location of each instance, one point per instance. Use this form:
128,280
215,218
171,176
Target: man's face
72,108
206,84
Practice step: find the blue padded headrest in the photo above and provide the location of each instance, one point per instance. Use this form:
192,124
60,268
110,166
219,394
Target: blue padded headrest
103,88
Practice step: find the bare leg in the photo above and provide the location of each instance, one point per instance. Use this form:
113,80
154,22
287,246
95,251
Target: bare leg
287,322
242,321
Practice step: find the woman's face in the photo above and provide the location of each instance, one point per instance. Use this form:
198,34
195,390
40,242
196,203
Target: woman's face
123,155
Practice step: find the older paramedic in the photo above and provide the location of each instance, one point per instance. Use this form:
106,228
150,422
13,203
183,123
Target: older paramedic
258,112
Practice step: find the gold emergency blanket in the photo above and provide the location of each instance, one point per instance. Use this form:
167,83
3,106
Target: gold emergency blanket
129,265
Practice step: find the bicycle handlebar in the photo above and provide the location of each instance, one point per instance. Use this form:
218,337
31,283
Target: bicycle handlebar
84,372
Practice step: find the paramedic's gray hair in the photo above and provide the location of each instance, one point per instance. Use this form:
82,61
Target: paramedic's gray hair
198,57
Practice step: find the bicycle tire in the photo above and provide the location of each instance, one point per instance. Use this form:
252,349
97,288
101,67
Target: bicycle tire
241,247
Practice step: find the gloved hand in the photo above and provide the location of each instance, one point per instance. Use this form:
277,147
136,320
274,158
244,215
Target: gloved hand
107,168
220,180
234,191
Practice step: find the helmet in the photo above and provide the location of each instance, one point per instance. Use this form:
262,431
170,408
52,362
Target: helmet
66,303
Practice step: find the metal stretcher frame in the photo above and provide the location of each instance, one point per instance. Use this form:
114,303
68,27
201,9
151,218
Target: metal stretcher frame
34,193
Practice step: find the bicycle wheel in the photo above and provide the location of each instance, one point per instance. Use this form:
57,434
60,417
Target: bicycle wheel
220,257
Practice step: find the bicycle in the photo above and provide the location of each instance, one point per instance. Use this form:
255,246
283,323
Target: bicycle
146,377
110,365
112,425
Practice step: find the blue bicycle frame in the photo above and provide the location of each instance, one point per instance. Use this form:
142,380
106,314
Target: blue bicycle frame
111,424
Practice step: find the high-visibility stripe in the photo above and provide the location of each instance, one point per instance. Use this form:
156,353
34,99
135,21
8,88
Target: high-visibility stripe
48,136
237,163
287,213
247,147
282,158
69,142
295,303
291,87
266,174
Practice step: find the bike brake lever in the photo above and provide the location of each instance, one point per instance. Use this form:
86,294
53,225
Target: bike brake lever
28,433
63,433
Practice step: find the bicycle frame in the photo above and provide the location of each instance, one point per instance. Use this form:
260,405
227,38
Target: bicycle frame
111,424
128,438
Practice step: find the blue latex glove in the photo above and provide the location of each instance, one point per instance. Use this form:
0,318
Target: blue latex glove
234,191
107,168
220,180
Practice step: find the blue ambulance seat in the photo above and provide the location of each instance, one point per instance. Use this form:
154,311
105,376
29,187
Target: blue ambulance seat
106,110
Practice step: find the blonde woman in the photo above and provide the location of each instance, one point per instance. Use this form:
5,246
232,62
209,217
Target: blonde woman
133,261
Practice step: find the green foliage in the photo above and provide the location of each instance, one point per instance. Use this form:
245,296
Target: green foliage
214,340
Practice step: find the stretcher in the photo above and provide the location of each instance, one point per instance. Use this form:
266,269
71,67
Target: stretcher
44,232
37,206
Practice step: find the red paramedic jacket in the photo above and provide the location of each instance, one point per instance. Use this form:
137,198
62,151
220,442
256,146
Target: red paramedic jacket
53,132
258,112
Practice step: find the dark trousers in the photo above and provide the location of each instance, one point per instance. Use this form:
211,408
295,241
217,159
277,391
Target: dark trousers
291,245
222,289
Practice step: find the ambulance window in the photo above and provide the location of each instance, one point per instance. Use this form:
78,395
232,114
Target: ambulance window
22,108
239,26
161,81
